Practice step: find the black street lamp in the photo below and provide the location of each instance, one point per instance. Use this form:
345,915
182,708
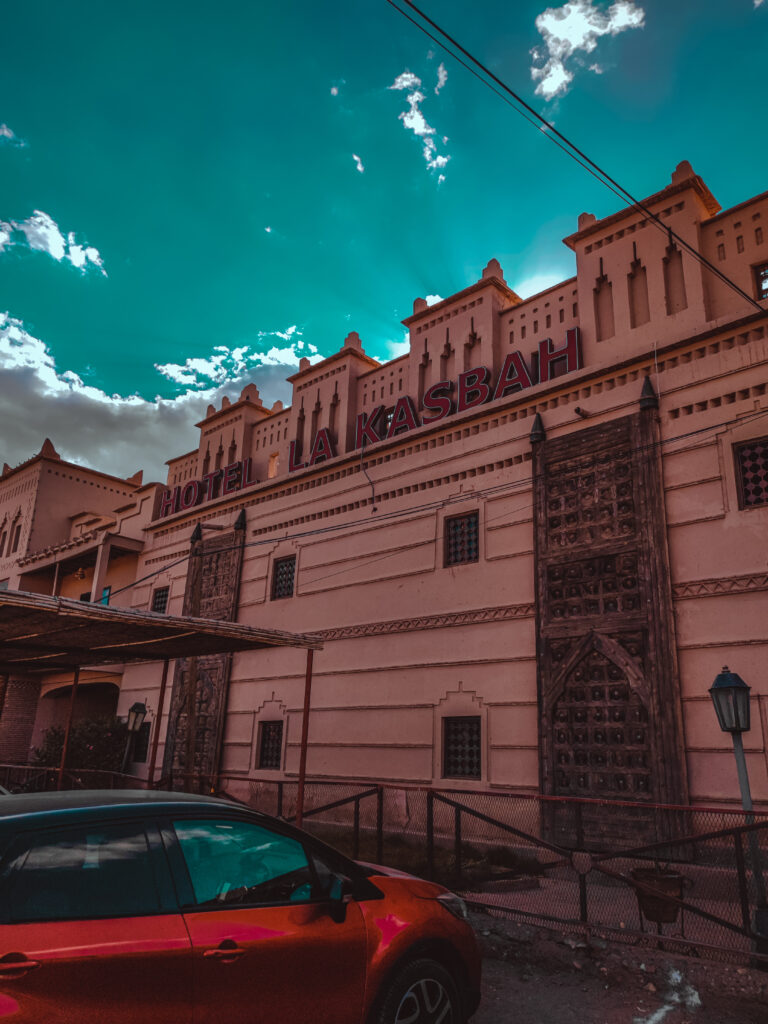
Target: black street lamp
136,715
730,695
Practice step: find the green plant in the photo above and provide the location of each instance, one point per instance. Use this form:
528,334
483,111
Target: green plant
94,743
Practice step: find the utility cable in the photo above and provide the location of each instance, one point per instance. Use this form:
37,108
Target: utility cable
560,140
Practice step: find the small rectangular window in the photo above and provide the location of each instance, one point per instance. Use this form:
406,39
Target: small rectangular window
721,251
160,599
283,575
461,539
16,539
141,744
761,280
270,744
739,243
461,747
752,473
105,595
85,596
4,584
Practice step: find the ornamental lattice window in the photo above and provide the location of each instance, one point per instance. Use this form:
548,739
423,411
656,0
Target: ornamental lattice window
160,599
461,747
283,576
270,744
752,463
461,539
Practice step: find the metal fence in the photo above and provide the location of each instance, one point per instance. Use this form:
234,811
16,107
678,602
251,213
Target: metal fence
687,879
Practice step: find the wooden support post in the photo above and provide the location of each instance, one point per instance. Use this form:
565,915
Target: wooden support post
158,724
304,736
68,728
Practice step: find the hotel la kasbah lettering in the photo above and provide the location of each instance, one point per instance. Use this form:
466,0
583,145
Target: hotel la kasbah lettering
474,387
526,572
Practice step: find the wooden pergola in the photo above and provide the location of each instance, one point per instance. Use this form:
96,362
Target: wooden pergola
40,633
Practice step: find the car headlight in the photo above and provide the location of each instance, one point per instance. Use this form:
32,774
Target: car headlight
454,905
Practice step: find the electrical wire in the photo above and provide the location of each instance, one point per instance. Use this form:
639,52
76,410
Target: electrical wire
516,101
494,490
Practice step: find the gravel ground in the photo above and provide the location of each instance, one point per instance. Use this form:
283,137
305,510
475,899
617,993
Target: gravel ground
531,976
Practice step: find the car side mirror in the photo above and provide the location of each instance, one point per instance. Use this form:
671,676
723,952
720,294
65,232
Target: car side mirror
339,895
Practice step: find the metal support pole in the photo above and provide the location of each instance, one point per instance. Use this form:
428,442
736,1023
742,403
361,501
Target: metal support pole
68,727
195,589
746,803
158,724
304,737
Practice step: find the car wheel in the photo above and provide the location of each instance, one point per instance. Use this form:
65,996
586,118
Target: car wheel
422,993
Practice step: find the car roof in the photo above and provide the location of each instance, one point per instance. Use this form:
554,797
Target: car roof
18,804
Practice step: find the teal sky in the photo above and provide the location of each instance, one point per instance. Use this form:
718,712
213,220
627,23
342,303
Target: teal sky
233,184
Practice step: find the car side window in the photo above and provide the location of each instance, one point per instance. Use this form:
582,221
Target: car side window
231,862
93,871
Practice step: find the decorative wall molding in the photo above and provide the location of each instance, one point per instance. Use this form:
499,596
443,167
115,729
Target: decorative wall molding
468,618
719,586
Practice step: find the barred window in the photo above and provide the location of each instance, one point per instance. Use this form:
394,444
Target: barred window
283,574
461,747
761,280
752,470
160,599
461,539
270,744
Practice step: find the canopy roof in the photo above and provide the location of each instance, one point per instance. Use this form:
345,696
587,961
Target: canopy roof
39,633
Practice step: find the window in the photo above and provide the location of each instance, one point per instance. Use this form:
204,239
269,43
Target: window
752,473
761,279
270,744
16,539
85,596
79,873
461,539
160,599
3,537
4,584
461,747
242,863
105,595
283,574
141,744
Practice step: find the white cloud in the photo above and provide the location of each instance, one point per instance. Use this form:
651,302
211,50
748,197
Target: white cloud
395,349
41,233
432,300
442,78
225,363
334,90
10,138
576,26
358,163
268,229
758,3
115,433
413,120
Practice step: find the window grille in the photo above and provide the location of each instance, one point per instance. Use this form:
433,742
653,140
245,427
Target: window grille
271,744
752,462
283,575
160,599
461,748
461,539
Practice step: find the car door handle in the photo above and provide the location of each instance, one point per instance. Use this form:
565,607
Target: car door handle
228,951
16,965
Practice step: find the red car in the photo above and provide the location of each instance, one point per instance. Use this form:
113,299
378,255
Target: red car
141,908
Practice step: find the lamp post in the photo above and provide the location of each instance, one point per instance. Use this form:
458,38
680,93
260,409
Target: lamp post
136,715
730,695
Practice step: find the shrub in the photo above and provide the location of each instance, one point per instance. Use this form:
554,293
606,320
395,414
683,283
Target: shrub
95,743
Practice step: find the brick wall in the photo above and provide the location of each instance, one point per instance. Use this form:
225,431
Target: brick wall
17,717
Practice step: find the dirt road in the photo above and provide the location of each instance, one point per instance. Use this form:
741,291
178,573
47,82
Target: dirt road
531,977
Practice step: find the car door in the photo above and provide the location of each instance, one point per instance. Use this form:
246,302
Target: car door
90,930
265,946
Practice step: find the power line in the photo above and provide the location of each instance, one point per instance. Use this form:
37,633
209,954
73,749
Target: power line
560,140
506,487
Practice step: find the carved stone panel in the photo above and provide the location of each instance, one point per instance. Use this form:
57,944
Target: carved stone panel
610,718
211,593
